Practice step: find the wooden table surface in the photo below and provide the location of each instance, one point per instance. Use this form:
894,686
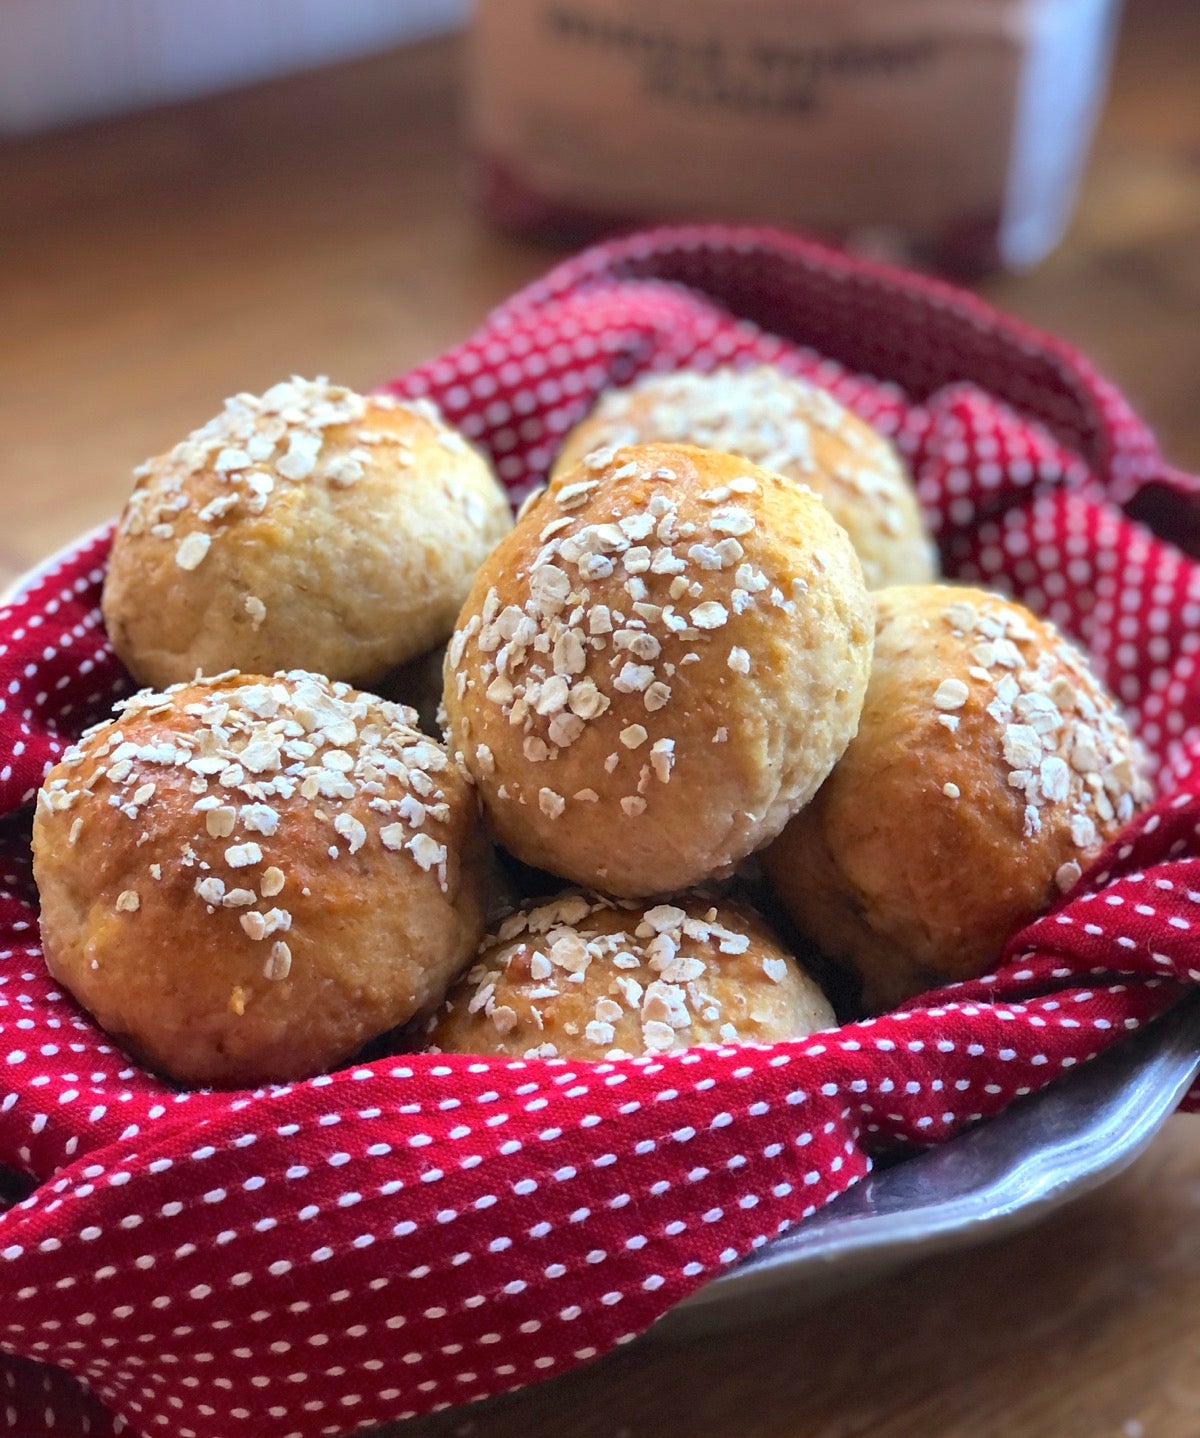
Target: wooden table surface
151,265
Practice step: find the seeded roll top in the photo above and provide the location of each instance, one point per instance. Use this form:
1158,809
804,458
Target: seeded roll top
309,527
787,425
583,976
989,768
658,667
247,878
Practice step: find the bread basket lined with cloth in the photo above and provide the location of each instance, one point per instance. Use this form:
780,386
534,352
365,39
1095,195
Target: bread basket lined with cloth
425,1230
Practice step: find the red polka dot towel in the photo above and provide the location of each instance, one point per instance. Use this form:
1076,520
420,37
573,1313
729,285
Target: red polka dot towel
420,1231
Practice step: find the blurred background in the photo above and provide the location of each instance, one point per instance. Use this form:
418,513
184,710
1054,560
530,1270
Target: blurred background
79,59
202,196
199,196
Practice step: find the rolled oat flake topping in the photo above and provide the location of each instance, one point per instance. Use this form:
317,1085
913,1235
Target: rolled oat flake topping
1060,740
252,752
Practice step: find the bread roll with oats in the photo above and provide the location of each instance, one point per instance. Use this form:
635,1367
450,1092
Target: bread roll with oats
990,767
585,977
658,667
307,528
245,879
787,425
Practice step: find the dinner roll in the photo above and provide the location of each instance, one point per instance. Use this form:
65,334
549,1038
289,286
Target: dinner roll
244,879
582,976
990,767
787,425
310,528
658,667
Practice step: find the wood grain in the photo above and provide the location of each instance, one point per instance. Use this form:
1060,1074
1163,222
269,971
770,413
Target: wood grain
149,266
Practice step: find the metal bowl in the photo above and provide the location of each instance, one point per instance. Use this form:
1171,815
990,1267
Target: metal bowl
998,1178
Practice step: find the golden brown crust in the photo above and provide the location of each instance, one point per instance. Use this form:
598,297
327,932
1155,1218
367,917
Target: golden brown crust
658,667
246,879
989,768
787,425
582,976
311,528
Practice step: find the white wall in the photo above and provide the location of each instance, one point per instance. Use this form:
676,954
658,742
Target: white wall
64,60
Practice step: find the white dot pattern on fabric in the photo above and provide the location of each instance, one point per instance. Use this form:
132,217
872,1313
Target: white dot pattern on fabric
414,1233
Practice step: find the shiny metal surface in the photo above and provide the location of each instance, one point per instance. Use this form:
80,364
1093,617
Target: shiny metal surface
1003,1176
